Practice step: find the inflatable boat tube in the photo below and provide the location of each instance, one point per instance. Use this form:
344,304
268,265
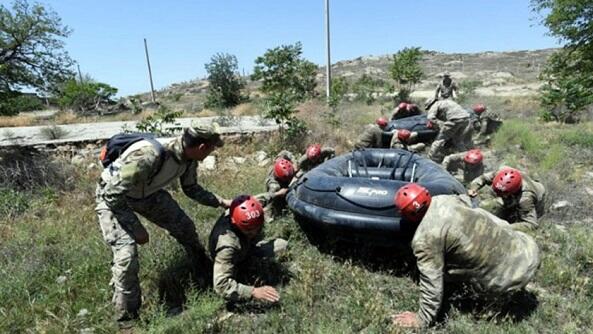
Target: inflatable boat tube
351,196
413,123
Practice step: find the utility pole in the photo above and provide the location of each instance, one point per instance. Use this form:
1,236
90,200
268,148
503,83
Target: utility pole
149,72
328,70
79,73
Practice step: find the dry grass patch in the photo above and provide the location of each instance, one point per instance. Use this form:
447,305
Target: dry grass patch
14,121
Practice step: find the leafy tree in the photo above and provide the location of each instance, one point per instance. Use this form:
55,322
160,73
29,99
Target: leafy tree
339,88
405,69
284,71
86,96
11,103
32,51
568,75
225,82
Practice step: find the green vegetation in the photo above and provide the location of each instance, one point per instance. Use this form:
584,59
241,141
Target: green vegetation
53,132
366,88
86,96
225,83
568,75
32,50
160,122
13,103
405,69
467,90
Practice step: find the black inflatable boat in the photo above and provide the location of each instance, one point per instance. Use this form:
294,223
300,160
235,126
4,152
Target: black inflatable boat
413,123
351,196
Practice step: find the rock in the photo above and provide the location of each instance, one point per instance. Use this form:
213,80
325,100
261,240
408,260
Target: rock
264,162
239,160
260,156
589,191
560,204
61,279
82,313
77,160
88,330
208,164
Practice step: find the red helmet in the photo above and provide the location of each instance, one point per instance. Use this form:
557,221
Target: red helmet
313,151
507,181
473,157
247,213
479,108
402,105
381,122
412,201
411,107
283,170
403,135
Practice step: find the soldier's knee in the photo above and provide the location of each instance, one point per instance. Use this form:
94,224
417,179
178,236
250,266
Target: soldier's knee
125,266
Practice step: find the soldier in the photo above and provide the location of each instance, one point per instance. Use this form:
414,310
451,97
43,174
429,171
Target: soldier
486,123
313,157
405,110
519,199
451,120
455,243
279,177
372,135
233,239
134,182
465,166
446,89
406,140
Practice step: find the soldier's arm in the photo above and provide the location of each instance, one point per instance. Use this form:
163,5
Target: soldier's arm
223,280
328,152
430,261
286,155
483,125
272,185
482,180
454,90
136,168
265,198
193,190
527,214
302,161
437,91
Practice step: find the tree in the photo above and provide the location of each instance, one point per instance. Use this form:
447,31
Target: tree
86,96
225,82
32,51
405,69
283,71
568,75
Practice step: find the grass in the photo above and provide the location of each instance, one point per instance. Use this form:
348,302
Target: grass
54,262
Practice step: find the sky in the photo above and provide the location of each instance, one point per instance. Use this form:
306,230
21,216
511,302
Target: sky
107,37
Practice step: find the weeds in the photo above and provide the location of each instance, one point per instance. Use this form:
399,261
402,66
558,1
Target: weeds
53,132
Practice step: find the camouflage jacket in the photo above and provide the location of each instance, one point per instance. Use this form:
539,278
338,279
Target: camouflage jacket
465,174
521,210
454,242
228,247
273,185
397,143
133,174
371,136
305,165
487,122
445,92
446,110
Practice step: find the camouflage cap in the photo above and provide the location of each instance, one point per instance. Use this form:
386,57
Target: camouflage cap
207,133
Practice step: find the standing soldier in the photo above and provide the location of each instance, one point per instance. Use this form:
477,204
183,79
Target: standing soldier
233,240
134,182
465,166
313,157
372,135
279,178
451,120
455,243
407,140
446,89
519,199
486,123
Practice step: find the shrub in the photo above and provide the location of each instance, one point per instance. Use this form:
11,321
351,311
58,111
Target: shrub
53,132
86,96
577,137
26,169
13,103
467,89
156,122
225,83
405,69
12,203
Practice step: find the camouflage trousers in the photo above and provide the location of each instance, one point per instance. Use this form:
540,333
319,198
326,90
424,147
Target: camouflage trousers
452,133
119,229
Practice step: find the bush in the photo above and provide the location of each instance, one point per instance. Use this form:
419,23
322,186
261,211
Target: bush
225,83
365,86
156,122
405,69
12,203
86,96
577,137
467,89
13,103
53,132
26,169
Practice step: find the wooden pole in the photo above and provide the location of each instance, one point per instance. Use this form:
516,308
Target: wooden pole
328,71
149,72
79,73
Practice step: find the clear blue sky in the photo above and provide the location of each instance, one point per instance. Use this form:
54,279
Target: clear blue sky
107,38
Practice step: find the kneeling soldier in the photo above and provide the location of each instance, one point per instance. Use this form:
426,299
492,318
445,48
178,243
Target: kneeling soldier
313,157
455,243
279,178
406,140
465,166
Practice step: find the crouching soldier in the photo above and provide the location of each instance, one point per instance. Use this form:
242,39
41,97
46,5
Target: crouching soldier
519,199
233,240
133,183
372,135
455,243
279,178
406,140
405,110
485,123
465,166
313,157
451,120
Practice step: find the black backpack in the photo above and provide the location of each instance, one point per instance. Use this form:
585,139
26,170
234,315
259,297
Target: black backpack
117,144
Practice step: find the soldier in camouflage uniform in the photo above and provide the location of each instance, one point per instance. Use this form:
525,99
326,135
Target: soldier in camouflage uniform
372,135
455,243
313,157
405,110
519,199
465,166
406,140
451,120
446,89
134,183
485,123
236,237
279,177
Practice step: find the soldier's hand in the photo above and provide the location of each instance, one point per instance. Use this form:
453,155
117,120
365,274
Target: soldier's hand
281,193
266,293
226,203
472,193
406,319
